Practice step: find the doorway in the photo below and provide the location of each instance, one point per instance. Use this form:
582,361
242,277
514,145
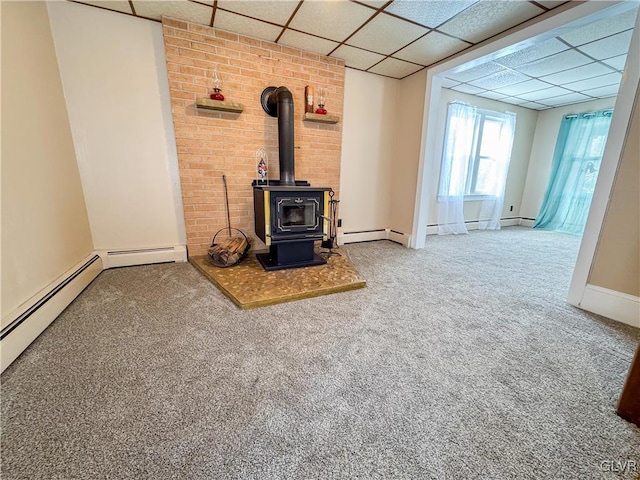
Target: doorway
573,16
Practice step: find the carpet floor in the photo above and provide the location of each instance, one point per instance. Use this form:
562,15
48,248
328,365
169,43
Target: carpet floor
459,361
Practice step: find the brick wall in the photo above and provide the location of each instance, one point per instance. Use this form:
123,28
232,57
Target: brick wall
211,144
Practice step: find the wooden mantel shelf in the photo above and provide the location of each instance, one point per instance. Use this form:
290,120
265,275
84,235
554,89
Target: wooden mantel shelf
316,117
221,106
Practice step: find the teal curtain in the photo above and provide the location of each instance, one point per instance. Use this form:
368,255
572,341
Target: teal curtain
574,171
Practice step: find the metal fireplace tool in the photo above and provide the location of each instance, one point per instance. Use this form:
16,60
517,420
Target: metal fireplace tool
333,228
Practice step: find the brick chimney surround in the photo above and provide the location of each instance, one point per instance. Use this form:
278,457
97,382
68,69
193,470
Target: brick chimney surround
212,143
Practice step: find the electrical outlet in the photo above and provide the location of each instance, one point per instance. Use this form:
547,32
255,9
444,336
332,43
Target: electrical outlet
339,222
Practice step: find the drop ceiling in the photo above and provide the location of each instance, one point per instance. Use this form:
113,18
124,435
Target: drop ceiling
400,37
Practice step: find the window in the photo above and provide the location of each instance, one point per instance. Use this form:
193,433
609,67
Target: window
574,172
475,162
481,172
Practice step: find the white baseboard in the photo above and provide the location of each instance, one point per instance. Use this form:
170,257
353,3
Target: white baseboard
473,225
611,304
354,237
398,237
527,222
368,236
128,258
404,238
432,230
24,324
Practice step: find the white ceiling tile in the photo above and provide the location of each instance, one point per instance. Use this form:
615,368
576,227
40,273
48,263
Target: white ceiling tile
474,73
603,92
617,62
448,83
431,48
187,11
595,82
392,67
276,11
522,87
386,34
500,79
374,3
116,5
552,3
489,17
431,13
335,20
493,95
467,89
608,47
532,53
514,100
307,42
575,74
532,105
544,93
356,57
566,99
602,28
246,26
555,63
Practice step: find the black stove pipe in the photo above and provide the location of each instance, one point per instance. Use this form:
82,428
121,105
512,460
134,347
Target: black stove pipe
278,102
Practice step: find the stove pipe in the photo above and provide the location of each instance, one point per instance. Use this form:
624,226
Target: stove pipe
278,102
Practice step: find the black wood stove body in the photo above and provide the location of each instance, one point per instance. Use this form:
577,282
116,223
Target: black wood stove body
289,220
290,215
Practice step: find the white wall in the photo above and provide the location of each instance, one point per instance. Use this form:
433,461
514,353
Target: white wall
367,150
544,143
408,132
115,82
616,265
611,194
523,139
45,230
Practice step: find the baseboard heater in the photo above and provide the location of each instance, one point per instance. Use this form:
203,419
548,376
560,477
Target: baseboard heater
143,256
44,307
372,235
432,228
40,303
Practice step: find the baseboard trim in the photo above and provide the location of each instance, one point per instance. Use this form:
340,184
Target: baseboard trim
473,224
371,235
405,238
25,323
363,236
611,304
527,222
398,237
145,256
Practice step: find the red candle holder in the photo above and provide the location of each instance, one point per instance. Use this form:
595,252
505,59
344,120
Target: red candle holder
216,95
321,97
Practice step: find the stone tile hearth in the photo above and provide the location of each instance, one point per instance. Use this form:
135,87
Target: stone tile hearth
248,285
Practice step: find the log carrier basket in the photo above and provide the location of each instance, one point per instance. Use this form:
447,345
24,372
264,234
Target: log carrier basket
229,252
234,248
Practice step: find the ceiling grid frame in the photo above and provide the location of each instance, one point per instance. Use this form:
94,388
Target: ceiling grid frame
419,53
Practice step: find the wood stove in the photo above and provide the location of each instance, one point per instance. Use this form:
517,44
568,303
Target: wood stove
289,220
290,215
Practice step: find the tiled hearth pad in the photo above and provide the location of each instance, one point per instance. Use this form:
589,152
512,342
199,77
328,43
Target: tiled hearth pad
248,285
